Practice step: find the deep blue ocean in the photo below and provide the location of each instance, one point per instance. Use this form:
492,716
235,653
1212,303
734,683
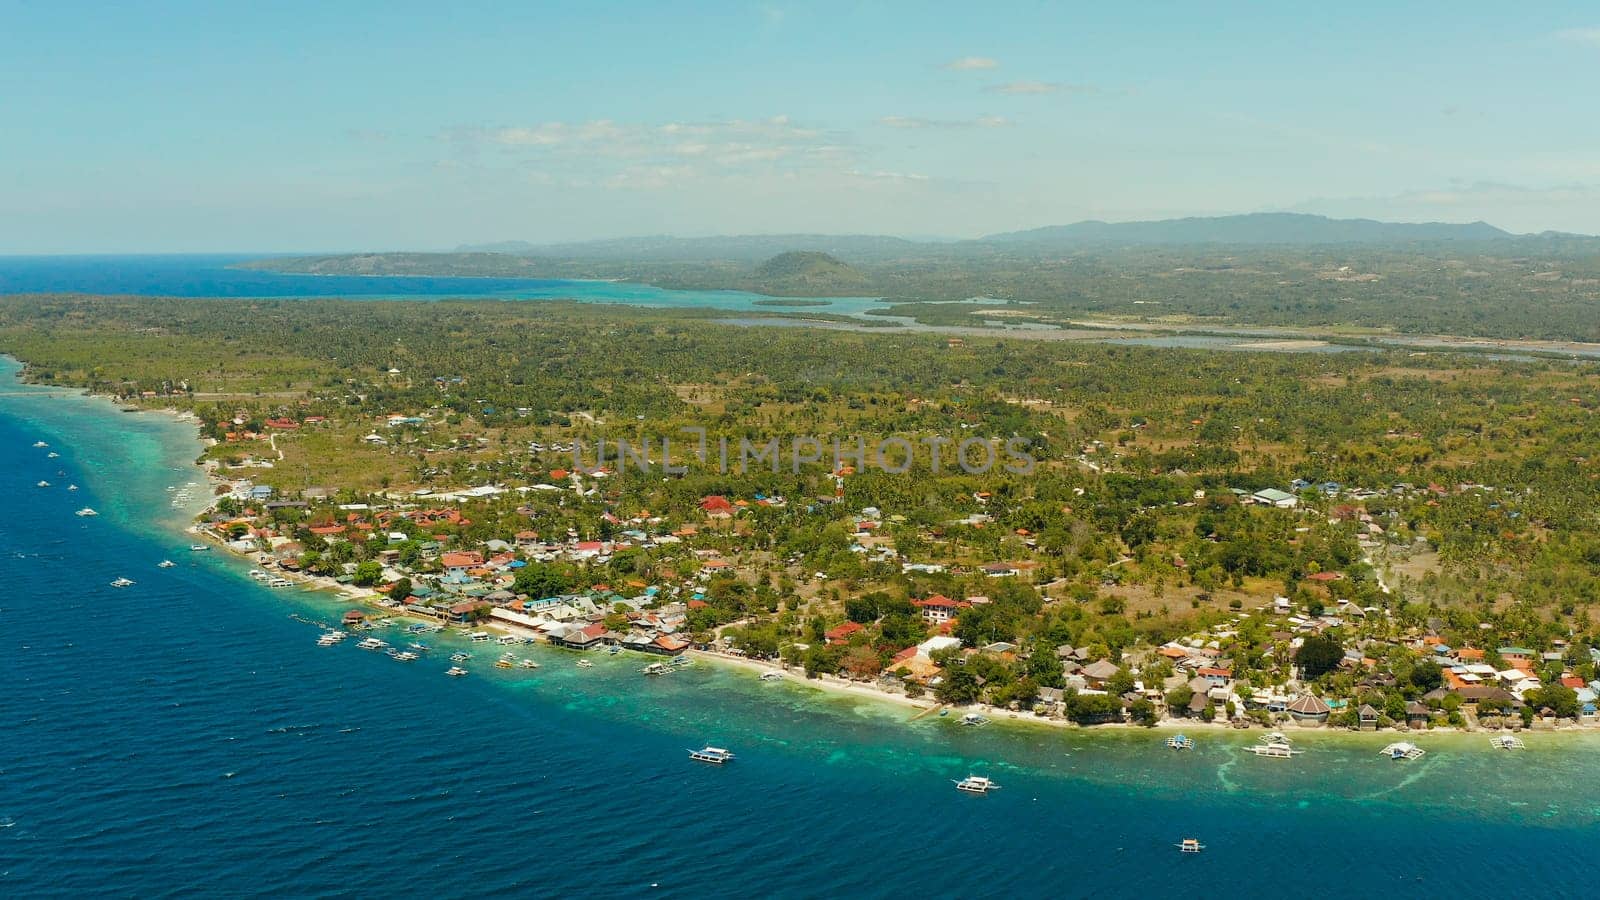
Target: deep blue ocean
185,735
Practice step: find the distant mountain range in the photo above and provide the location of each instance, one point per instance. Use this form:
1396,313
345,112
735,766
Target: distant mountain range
1255,228
1250,229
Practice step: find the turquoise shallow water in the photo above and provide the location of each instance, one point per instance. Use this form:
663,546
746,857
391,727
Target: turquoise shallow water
186,735
213,276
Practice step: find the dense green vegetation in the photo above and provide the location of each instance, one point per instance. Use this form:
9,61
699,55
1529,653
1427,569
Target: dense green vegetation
1545,287
1130,532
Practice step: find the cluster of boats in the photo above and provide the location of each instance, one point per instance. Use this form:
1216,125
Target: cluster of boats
181,496
269,579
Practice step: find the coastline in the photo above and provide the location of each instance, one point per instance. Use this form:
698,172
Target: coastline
834,687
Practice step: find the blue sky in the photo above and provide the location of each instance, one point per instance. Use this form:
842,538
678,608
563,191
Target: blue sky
286,126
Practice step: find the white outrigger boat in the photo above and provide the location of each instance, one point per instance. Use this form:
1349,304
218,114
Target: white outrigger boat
585,664
527,664
656,668
86,512
455,671
974,720
1275,746
714,755
1191,845
198,548
771,676
165,564
44,484
1403,750
976,784
122,583
372,643
1180,742
460,657
40,444
1507,742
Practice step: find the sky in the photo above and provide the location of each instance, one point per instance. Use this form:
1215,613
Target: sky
355,125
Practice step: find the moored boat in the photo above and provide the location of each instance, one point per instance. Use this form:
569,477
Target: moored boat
714,755
122,583
1191,845
86,512
976,784
455,671
1180,742
1507,742
1403,750
585,664
165,564
973,719
528,664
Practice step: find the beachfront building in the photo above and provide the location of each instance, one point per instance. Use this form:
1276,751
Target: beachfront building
1308,709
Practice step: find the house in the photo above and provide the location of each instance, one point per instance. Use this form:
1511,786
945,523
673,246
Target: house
1367,717
458,565
841,633
1001,570
1099,672
1275,497
939,609
466,610
1417,715
716,506
1216,677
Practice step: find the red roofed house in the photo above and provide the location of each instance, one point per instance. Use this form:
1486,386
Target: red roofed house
716,506
842,633
458,564
939,608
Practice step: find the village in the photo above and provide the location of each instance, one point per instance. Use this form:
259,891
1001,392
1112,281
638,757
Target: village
913,625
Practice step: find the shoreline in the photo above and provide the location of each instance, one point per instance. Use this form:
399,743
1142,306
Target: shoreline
830,686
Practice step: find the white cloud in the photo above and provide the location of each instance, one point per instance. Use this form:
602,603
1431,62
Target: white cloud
1040,87
888,176
1590,36
972,64
1025,87
909,122
655,155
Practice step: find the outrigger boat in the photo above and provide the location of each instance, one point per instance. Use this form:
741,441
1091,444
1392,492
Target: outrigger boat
1275,746
585,664
165,564
527,664
1180,742
714,755
1507,742
974,720
1191,845
656,668
771,676
455,671
976,784
1403,750
122,583
86,512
